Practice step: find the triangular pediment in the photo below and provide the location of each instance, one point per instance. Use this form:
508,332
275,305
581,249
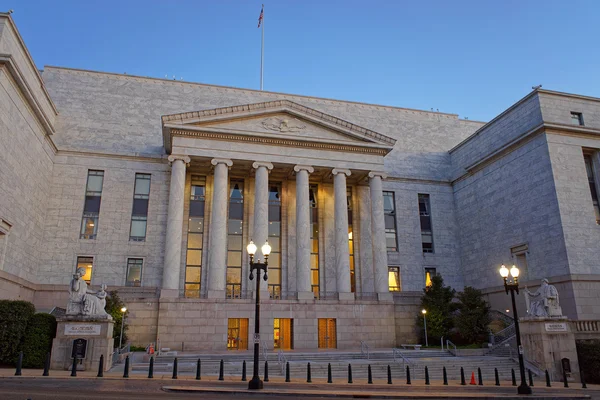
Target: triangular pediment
282,119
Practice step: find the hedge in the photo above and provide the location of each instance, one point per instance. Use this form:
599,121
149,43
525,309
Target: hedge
588,352
14,315
37,343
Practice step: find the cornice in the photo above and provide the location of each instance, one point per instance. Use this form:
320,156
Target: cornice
126,157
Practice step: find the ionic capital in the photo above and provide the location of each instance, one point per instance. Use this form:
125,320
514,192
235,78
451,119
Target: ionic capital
174,157
225,161
380,174
307,168
258,164
341,171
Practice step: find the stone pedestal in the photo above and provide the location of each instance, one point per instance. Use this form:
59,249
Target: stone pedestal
546,341
97,335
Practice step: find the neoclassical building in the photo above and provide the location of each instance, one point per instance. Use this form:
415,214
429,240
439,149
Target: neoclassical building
157,186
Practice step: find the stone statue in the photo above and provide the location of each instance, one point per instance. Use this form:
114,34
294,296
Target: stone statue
84,302
544,302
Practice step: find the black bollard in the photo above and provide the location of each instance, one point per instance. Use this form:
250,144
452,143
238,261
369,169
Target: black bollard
308,376
73,367
266,371
287,372
497,376
101,367
407,375
548,379
244,371
462,377
19,364
530,377
174,369
126,370
198,370
565,378
151,368
369,375
349,373
514,378
583,385
479,376
329,380
221,370
389,375
426,375
47,365
445,376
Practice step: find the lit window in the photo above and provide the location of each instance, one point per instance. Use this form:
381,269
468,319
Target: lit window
234,240
274,283
134,272
394,279
313,192
429,274
193,263
351,241
91,206
87,263
425,216
139,213
576,118
389,208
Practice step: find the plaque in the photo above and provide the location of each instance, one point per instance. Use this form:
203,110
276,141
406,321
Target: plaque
79,348
82,329
556,327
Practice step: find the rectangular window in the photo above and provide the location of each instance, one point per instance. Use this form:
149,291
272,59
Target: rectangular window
193,263
351,240
426,231
139,213
234,239
313,198
389,208
134,272
394,279
589,167
91,206
275,240
576,118
87,263
429,274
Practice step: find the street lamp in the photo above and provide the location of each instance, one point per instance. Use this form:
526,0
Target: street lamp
513,286
255,382
123,311
424,311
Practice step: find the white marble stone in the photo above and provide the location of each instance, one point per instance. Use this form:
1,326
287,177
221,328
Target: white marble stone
260,229
303,282
342,254
380,270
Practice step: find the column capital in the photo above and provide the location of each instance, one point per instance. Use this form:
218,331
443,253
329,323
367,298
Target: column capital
336,171
300,167
258,164
174,157
225,161
380,174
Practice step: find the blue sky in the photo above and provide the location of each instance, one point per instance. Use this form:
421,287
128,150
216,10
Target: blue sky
473,58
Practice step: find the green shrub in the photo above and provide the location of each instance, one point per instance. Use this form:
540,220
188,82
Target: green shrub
137,348
14,315
588,352
41,329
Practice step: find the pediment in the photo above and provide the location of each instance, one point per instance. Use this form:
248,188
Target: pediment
287,122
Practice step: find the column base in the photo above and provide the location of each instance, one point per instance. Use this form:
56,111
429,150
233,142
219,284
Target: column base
306,296
388,297
215,294
169,293
346,296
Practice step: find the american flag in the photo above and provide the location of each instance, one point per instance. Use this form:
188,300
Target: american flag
260,17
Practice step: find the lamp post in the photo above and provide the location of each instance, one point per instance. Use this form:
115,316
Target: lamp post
424,311
255,382
123,311
513,286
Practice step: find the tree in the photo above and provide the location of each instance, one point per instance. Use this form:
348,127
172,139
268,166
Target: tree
113,307
473,315
437,301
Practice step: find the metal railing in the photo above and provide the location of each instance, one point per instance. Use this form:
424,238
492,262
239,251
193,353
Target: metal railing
281,360
534,367
587,326
364,349
452,351
501,338
397,354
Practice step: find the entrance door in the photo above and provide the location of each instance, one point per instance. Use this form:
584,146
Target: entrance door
327,333
237,334
283,333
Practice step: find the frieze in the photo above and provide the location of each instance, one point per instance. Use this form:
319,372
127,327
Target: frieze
282,125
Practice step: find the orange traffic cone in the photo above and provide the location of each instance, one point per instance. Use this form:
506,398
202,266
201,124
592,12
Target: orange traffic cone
472,379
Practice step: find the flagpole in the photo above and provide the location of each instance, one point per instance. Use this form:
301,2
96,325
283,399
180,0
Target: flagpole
262,48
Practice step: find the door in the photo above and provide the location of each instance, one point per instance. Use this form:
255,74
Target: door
237,334
283,333
327,333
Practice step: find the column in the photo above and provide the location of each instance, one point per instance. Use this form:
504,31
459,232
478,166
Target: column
261,212
303,245
172,262
380,267
342,253
217,245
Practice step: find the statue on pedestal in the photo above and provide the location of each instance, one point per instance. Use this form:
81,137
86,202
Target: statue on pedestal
84,302
544,302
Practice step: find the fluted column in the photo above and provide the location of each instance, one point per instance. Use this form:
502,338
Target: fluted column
380,267
342,253
261,211
303,245
217,246
172,262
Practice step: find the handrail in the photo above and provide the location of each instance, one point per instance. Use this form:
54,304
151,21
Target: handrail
534,367
506,335
364,349
448,344
263,346
282,360
397,352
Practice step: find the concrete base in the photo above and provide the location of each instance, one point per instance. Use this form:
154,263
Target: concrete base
169,293
306,296
346,296
387,297
97,333
215,294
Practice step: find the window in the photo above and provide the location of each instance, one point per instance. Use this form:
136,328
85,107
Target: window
234,239
275,240
394,279
134,272
139,213
193,263
351,241
313,192
429,274
91,207
425,215
87,263
389,209
519,256
576,118
589,167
